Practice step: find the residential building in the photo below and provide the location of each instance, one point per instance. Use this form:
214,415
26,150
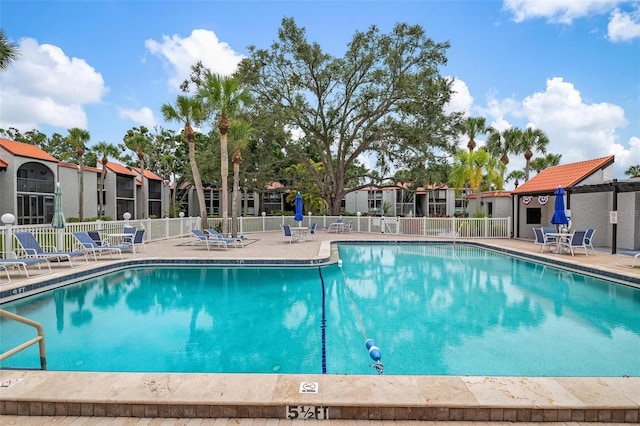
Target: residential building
28,176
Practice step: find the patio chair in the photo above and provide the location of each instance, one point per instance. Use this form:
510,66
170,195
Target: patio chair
135,240
202,239
235,241
32,248
336,226
575,241
95,236
91,247
287,234
312,230
21,265
630,253
543,240
550,229
588,239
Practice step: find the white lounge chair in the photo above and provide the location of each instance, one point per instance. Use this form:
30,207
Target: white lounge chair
202,239
235,241
32,248
91,247
21,264
628,253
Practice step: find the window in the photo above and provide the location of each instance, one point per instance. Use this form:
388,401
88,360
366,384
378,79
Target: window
534,215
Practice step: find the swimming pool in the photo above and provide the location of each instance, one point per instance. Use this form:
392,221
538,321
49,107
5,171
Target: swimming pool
432,309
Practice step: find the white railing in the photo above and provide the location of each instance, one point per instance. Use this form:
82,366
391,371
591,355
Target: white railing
420,226
159,229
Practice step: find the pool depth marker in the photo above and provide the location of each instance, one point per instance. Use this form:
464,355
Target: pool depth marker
372,346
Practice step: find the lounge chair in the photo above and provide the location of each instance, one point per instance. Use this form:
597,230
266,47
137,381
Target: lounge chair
202,239
91,247
235,241
19,263
543,240
575,241
32,248
629,253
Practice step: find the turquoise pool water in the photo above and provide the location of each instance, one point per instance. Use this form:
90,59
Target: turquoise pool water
432,309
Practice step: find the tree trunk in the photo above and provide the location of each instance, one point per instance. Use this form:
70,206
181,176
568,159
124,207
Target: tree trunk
197,181
145,204
223,127
81,195
237,159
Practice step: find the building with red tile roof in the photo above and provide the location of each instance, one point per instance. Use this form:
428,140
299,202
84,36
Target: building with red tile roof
567,176
21,149
591,195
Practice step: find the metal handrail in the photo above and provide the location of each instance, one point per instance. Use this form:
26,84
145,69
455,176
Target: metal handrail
39,339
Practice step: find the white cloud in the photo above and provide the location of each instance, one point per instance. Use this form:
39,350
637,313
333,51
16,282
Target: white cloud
558,11
461,99
143,116
576,129
46,87
180,53
624,26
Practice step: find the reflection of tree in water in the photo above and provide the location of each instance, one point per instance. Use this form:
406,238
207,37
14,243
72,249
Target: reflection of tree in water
78,294
111,289
236,316
433,294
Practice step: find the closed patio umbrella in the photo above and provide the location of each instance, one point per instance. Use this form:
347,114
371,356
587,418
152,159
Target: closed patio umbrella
299,215
559,215
58,217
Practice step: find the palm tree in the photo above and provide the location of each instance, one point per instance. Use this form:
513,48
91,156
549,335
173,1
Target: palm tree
79,138
189,110
471,168
472,127
8,51
240,133
538,164
105,150
139,141
501,144
633,171
532,140
517,175
223,98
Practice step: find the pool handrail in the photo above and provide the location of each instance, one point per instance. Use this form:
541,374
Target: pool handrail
39,339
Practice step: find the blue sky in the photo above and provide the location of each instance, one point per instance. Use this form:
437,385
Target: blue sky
570,68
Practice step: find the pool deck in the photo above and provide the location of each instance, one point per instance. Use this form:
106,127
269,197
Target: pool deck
348,397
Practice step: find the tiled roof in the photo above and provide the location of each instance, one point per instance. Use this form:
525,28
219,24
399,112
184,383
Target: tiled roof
566,176
3,165
120,169
147,173
22,149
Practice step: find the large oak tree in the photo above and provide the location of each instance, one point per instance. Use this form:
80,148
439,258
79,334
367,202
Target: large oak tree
385,97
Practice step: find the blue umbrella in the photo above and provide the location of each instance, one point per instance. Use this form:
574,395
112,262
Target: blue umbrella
559,216
57,222
299,215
